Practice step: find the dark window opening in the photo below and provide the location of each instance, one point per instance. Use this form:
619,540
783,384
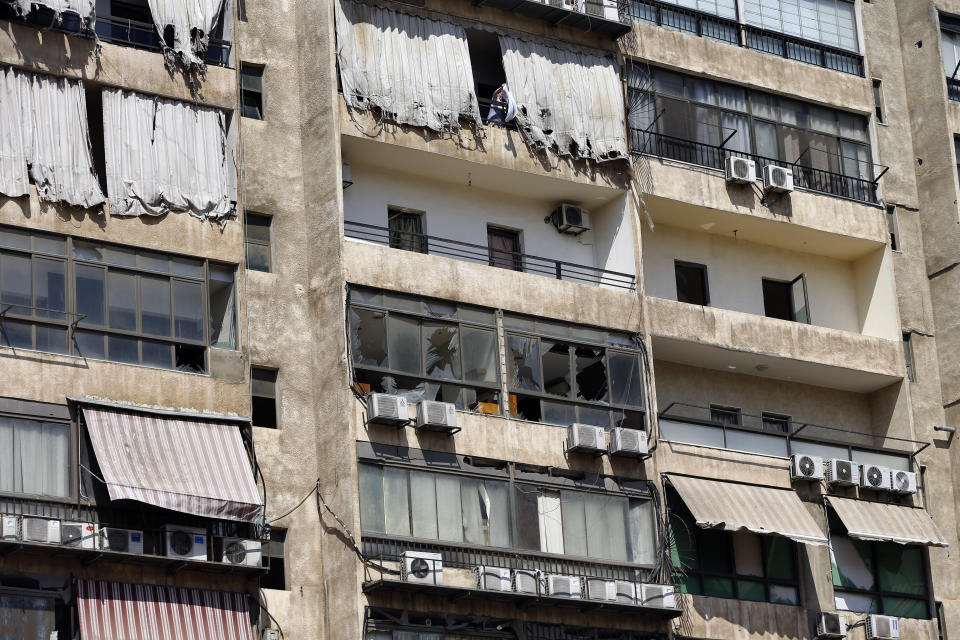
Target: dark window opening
878,100
95,127
776,300
257,230
776,422
190,358
242,10
486,61
692,284
908,357
893,227
504,248
263,389
272,556
251,90
723,414
406,230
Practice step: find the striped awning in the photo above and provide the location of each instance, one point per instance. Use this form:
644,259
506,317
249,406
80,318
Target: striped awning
185,464
120,611
731,506
887,522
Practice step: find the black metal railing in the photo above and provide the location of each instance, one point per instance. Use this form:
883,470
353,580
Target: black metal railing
493,112
731,31
432,245
713,156
953,88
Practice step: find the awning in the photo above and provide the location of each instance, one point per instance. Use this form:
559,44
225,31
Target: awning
119,611
887,522
732,506
175,462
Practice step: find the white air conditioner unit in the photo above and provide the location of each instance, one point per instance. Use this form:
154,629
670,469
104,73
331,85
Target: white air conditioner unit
600,589
40,530
657,595
903,482
740,170
563,586
586,437
628,442
526,581
570,218
626,592
493,578
875,477
843,472
10,528
777,179
241,551
383,408
124,540
270,634
882,628
186,543
80,535
436,416
421,567
831,625
804,467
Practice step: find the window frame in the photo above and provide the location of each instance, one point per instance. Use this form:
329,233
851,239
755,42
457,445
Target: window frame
258,70
253,394
72,462
908,356
256,241
893,225
516,239
421,217
706,283
880,107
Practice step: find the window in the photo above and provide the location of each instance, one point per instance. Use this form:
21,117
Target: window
786,300
273,557
737,565
107,302
878,100
251,90
35,457
950,45
894,227
242,10
877,577
776,422
406,230
257,231
829,22
504,248
263,389
908,357
722,414
692,283
956,153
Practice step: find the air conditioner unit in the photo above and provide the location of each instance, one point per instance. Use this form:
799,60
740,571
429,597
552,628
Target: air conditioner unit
626,592
421,567
777,179
40,530
383,408
875,477
599,589
804,467
526,581
831,625
586,437
570,218
628,442
657,595
563,586
843,472
124,540
882,628
80,535
493,578
436,416
10,528
903,482
186,543
270,634
241,551
740,170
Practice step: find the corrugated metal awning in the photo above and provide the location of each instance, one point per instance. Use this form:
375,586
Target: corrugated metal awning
732,506
193,466
887,522
119,611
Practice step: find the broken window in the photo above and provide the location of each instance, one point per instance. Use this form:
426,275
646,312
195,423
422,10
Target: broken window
486,60
441,350
691,283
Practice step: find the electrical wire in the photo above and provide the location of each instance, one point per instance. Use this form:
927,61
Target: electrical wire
316,488
266,611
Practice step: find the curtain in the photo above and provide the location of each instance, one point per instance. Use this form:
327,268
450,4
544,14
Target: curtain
165,155
415,70
56,454
830,22
406,232
6,455
551,526
568,101
86,9
192,23
43,120
29,457
503,251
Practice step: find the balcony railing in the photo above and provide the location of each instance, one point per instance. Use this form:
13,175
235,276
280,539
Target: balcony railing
604,16
481,254
731,31
953,88
708,155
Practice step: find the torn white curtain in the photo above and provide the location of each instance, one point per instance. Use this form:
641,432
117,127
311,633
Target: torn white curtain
86,9
415,70
192,22
570,101
43,125
165,155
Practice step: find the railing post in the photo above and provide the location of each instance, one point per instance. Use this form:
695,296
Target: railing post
559,271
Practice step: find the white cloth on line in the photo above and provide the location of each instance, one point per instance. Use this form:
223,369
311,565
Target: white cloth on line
86,9
192,22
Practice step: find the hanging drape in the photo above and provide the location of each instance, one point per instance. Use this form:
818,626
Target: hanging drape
569,101
86,9
415,70
164,155
43,130
192,23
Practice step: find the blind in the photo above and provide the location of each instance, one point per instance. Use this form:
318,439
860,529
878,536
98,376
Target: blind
829,22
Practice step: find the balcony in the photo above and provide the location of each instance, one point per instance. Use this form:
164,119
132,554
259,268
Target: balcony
953,88
706,25
601,16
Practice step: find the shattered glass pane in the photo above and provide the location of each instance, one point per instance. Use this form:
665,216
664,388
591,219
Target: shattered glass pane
523,363
369,338
591,374
625,381
479,355
403,344
556,368
441,350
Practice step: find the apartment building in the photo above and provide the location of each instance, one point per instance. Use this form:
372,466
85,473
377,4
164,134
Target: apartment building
433,319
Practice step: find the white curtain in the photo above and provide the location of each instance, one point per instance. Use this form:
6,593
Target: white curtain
569,101
192,23
416,71
164,155
551,525
830,22
86,9
43,121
